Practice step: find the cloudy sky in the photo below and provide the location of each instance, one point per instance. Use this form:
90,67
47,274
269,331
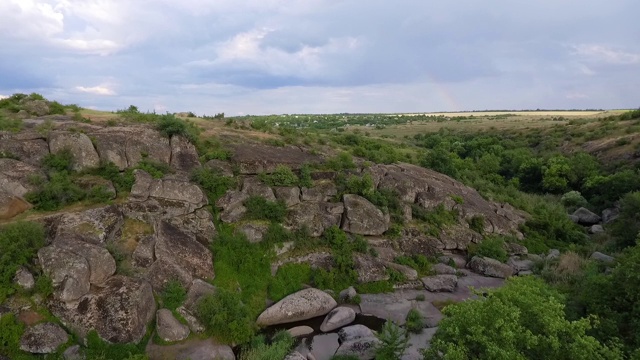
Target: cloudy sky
323,56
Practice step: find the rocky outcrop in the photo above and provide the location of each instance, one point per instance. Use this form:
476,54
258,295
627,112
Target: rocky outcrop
369,268
97,226
295,356
44,338
80,146
184,156
289,195
603,258
354,332
222,167
69,272
144,253
28,147
127,146
520,264
315,216
300,331
323,191
197,291
89,182
337,318
118,309
585,217
15,176
24,279
362,348
169,328
259,158
101,263
440,283
198,224
442,269
252,186
11,205
254,231
362,217
490,267
302,305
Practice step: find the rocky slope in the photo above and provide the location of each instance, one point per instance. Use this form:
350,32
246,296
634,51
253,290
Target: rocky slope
107,262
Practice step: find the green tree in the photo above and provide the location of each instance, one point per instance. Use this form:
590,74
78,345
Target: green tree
523,320
393,342
627,225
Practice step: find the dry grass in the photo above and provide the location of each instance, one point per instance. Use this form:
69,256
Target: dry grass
132,232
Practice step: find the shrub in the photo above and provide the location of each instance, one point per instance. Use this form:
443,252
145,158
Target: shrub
212,183
59,191
278,349
226,316
342,161
491,247
476,223
109,171
61,161
100,349
258,208
281,176
393,342
414,322
573,200
155,168
19,242
55,108
169,125
418,262
10,332
532,325
173,295
627,226
305,176
10,125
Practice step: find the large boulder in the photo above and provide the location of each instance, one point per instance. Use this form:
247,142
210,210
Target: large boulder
69,272
184,156
254,231
354,332
222,167
337,318
369,268
118,309
197,291
252,186
204,350
362,217
323,191
198,224
169,328
289,195
490,267
127,146
84,154
598,256
302,305
15,175
315,216
440,283
101,263
585,217
609,215
97,226
44,338
11,205
519,264
29,147
362,348
24,279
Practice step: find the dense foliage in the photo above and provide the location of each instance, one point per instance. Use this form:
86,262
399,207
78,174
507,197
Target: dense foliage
19,242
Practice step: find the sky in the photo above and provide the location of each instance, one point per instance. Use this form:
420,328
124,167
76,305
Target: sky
323,56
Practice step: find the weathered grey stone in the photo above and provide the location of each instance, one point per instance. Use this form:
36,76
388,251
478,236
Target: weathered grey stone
323,191
289,195
442,269
169,328
598,256
302,305
362,348
73,353
84,154
198,224
408,272
254,231
609,215
96,226
553,254
519,264
127,146
15,175
459,261
315,216
101,263
354,332
173,245
252,186
206,350
586,217
390,307
362,217
141,186
177,190
440,283
260,158
369,268
300,331
89,182
184,156
118,309
197,290
222,167
24,279
295,356
144,254
191,320
490,267
596,229
231,200
233,215
69,272
348,293
430,314
337,318
30,149
44,338
164,270
516,249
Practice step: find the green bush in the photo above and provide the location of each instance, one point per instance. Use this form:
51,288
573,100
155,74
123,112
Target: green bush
375,287
437,219
122,181
226,316
414,322
60,161
476,223
169,125
626,227
393,342
258,208
58,192
9,124
491,247
173,295
19,242
289,279
10,332
573,200
278,349
55,108
212,183
281,176
305,176
100,349
523,320
418,262
155,168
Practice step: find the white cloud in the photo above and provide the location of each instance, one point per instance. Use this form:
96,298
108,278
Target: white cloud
96,90
28,19
3,96
606,54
